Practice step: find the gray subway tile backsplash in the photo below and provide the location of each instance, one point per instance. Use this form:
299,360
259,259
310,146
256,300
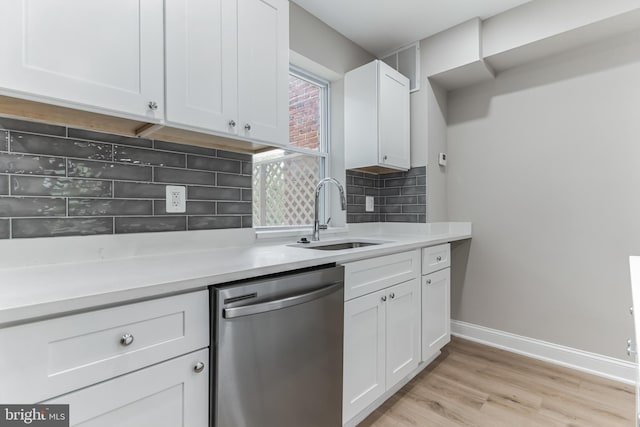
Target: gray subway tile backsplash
184,176
32,127
398,196
150,224
110,138
109,207
4,140
31,165
214,222
5,228
144,156
183,148
52,227
56,181
69,187
108,170
4,184
213,193
53,146
213,164
32,206
225,208
226,180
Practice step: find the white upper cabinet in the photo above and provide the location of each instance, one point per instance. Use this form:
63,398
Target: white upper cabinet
227,67
103,56
376,118
201,64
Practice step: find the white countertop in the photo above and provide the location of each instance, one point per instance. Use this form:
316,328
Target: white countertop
112,272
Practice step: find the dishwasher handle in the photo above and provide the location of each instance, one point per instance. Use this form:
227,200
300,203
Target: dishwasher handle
247,310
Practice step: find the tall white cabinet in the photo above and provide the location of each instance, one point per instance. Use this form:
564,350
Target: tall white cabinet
227,67
376,118
95,55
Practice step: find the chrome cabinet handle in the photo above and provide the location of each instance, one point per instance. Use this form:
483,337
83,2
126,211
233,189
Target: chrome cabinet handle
439,258
428,281
385,157
392,295
247,127
630,350
631,310
126,339
153,106
199,367
232,123
383,298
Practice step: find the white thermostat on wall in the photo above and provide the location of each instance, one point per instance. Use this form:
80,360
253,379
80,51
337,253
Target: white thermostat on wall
442,159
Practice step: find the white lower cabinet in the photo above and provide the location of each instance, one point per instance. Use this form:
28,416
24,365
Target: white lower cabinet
436,316
381,342
171,394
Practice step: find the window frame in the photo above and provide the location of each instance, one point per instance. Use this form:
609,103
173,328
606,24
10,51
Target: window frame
323,153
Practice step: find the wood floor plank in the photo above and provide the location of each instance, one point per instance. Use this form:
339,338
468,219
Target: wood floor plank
474,385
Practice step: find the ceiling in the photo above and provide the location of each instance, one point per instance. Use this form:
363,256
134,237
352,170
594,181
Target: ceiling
381,26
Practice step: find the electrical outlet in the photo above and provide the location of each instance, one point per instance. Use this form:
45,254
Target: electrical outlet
368,203
176,199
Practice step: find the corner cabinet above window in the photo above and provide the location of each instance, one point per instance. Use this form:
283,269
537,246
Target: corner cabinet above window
102,56
227,64
376,119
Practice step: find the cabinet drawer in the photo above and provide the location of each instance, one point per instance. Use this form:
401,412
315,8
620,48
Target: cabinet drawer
370,275
171,394
436,258
44,359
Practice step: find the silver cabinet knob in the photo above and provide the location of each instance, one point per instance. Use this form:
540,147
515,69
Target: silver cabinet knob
126,339
439,258
428,281
392,295
199,367
384,298
385,157
153,106
247,127
630,349
232,123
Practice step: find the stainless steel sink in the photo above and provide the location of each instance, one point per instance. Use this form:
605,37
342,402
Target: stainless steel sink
340,246
336,246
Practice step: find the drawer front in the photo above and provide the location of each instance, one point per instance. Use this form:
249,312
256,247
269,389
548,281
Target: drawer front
436,258
171,394
49,358
370,275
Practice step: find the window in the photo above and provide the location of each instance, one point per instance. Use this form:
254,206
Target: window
284,181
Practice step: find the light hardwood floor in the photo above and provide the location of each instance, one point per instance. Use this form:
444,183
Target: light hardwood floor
474,385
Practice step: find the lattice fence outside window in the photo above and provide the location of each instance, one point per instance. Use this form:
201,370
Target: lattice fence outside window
283,188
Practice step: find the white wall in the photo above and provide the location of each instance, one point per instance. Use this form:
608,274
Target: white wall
545,161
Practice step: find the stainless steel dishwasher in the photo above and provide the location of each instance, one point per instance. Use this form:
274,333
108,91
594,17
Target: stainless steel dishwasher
278,350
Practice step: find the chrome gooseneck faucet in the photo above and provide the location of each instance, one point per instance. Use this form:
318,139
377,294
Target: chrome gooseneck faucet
343,202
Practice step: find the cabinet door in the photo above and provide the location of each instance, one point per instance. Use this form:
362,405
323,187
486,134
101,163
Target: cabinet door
201,64
403,330
170,394
263,70
364,352
393,118
104,56
436,317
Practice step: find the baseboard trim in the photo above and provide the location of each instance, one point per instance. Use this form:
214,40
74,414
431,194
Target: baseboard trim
592,363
